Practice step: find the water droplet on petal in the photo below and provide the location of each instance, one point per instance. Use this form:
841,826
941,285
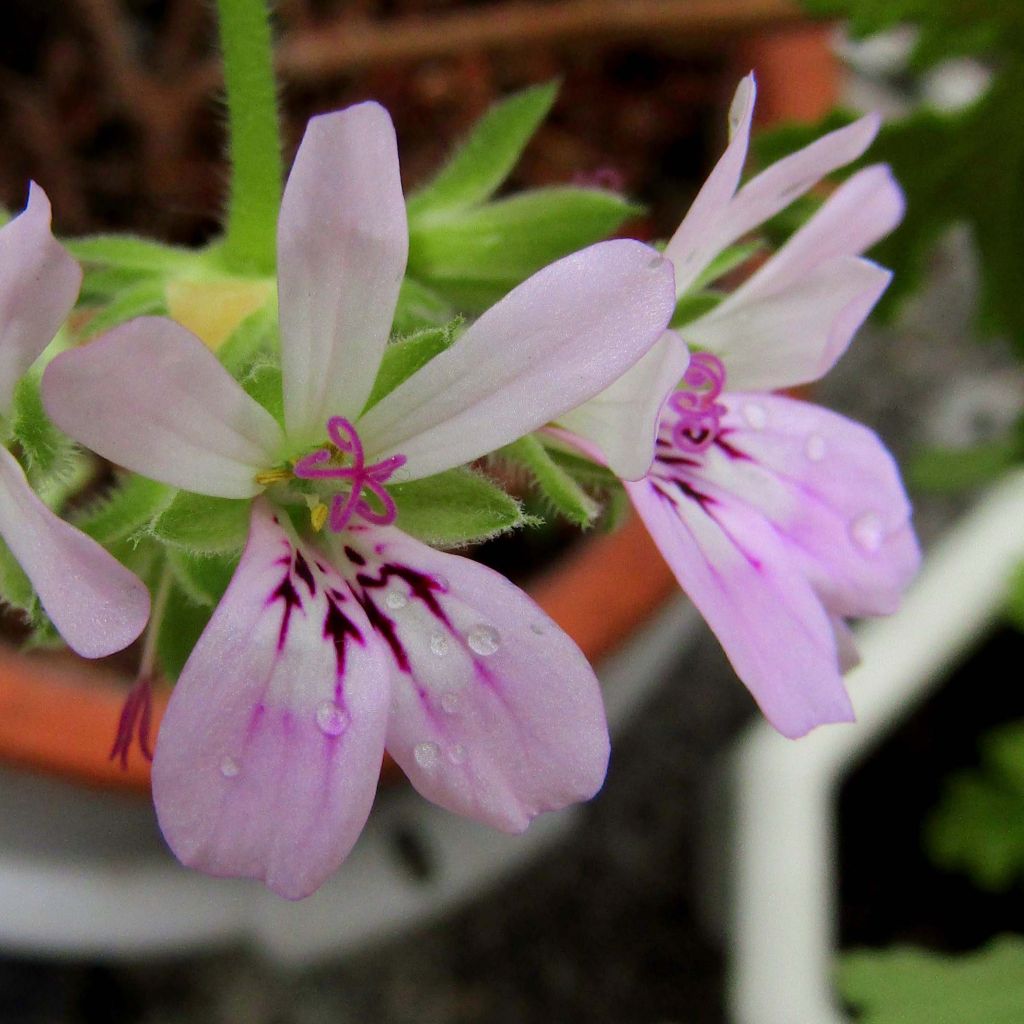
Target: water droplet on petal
815,448
427,755
655,262
441,581
395,599
331,719
450,702
536,627
439,644
868,531
229,767
457,754
483,640
755,415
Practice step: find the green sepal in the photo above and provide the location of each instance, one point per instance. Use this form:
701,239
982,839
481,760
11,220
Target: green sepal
125,513
728,259
182,625
402,358
203,525
144,298
693,305
561,492
15,587
264,383
586,473
419,307
130,252
253,341
473,257
480,165
911,986
46,451
455,508
202,578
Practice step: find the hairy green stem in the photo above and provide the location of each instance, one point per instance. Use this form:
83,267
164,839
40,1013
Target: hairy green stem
254,136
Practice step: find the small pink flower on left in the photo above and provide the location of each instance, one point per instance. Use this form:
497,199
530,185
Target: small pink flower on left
97,605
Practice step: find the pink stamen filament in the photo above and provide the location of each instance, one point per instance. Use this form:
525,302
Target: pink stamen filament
136,714
699,415
316,466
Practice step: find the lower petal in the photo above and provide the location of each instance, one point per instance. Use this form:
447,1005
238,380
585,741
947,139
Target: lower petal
741,577
97,605
496,714
269,753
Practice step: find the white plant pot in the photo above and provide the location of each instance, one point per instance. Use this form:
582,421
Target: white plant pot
782,889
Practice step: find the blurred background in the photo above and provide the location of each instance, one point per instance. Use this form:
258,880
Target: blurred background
112,106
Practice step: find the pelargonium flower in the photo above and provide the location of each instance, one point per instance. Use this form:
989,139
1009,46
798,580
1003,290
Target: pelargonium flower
97,605
779,519
328,647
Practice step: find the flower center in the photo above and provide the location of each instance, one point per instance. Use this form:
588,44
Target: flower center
699,415
359,476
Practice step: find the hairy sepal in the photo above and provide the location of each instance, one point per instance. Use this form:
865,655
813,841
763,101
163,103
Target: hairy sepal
203,525
124,514
201,578
46,452
553,482
403,357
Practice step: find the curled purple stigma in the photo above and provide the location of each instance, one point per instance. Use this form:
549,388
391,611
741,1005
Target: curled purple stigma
315,466
699,415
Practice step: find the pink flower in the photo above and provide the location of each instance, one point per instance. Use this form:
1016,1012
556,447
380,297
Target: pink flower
779,519
97,605
327,648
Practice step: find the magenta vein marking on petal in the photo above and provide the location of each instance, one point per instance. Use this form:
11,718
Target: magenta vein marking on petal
353,556
728,448
340,630
422,587
289,596
303,571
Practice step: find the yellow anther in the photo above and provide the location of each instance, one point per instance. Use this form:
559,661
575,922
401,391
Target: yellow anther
318,516
267,477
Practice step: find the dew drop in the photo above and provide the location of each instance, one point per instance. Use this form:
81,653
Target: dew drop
655,262
536,627
441,581
439,644
395,599
814,449
427,755
229,767
483,640
450,702
457,754
868,531
331,719
755,415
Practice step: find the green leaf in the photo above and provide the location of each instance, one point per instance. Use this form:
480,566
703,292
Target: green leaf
180,629
978,827
455,508
404,357
15,587
694,305
253,342
204,525
202,578
474,257
264,383
728,259
130,253
910,986
419,307
145,298
555,484
126,511
951,470
46,451
486,158
1015,601
101,285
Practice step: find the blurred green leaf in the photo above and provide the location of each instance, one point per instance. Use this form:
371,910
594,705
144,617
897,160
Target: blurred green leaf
203,525
130,252
180,629
402,358
419,308
15,587
202,578
125,511
144,298
951,470
554,483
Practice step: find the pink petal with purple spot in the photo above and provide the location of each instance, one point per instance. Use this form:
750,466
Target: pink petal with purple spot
558,339
496,713
622,421
97,605
830,489
268,756
152,397
39,283
342,242
741,576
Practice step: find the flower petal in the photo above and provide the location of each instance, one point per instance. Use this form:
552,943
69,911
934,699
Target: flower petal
695,242
830,488
39,283
97,605
741,576
268,755
771,339
496,713
152,397
623,419
342,242
558,339
789,178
